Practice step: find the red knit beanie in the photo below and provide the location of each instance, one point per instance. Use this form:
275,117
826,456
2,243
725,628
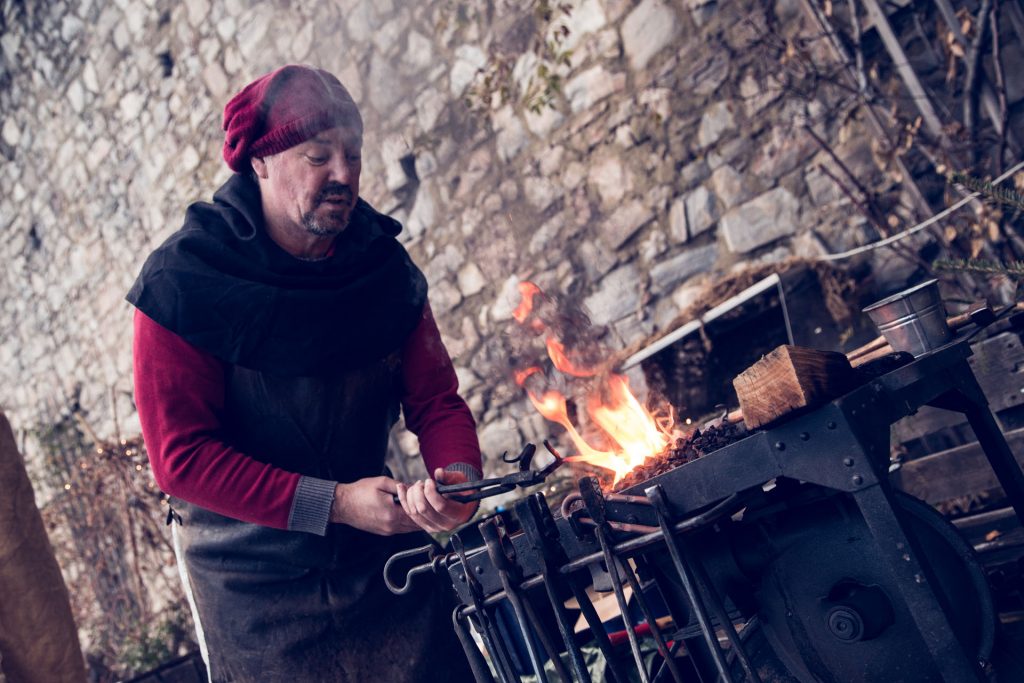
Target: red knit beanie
282,109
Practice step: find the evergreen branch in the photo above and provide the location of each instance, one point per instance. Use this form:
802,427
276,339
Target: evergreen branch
1003,195
1013,269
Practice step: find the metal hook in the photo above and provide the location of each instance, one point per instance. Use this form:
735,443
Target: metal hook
432,564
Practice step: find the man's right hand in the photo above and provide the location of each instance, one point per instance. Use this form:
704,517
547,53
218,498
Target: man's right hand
369,504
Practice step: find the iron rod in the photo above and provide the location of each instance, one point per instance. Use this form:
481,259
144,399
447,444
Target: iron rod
565,629
481,672
659,640
727,506
535,519
597,630
685,575
718,610
545,640
489,532
620,597
484,622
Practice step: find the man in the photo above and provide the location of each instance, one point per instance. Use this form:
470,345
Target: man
277,334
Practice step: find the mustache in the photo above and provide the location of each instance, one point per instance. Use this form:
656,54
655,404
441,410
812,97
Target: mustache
334,191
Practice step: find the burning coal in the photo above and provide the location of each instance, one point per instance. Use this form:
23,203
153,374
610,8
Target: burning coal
626,434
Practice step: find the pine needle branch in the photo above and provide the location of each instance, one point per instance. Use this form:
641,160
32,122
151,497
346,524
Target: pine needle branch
1002,195
1013,269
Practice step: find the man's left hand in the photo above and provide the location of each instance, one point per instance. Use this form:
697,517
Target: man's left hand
428,508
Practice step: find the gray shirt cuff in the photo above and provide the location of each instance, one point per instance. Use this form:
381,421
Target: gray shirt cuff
311,506
472,473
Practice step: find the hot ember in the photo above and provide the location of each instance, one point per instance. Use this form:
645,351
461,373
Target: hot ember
629,434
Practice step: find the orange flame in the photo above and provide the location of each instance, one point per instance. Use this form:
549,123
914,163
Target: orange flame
556,351
632,432
521,375
527,290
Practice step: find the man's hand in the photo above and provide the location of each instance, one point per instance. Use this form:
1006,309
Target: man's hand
429,509
368,504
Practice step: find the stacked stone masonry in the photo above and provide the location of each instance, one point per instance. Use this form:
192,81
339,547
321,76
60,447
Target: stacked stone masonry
666,157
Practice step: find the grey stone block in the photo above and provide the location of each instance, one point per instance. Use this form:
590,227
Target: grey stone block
649,28
760,221
617,296
671,272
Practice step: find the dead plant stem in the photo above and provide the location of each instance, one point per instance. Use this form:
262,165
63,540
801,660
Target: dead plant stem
997,64
972,81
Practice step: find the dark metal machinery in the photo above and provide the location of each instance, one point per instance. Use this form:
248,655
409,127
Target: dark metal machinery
785,556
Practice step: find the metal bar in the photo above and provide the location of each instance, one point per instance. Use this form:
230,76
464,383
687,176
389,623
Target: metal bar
593,500
986,427
686,576
915,581
718,610
782,305
652,622
546,641
496,646
565,629
660,676
481,672
534,518
597,630
489,531
726,507
620,597
484,622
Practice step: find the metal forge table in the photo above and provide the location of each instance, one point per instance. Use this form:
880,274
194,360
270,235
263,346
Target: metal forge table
686,521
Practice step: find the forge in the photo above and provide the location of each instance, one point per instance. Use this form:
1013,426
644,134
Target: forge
781,553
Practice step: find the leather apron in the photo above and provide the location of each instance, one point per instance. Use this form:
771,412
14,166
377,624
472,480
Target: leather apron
279,605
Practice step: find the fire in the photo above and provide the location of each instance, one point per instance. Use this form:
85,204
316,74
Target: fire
632,433
527,290
521,375
556,351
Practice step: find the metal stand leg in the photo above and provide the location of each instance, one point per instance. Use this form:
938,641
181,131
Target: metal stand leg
968,398
915,582
999,455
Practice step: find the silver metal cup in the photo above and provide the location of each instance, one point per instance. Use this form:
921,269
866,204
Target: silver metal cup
913,320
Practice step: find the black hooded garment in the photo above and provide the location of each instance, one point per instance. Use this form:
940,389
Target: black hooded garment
222,284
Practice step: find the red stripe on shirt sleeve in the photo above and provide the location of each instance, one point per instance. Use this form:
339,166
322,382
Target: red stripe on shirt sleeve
433,409
179,393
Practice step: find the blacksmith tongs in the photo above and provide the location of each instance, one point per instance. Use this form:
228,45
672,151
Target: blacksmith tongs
485,488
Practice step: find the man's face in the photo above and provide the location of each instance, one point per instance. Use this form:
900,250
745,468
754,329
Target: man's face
313,186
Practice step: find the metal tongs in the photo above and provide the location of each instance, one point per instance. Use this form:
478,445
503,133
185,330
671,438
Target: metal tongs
485,488
525,477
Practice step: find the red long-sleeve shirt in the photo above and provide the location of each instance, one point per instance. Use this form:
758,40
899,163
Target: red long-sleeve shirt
179,393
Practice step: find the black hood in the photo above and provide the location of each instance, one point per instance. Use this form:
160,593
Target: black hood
222,284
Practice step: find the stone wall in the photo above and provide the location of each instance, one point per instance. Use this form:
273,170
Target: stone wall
670,153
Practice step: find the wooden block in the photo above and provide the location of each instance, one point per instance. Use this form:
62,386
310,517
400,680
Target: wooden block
788,379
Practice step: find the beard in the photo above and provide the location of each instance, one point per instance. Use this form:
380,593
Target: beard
333,222
328,216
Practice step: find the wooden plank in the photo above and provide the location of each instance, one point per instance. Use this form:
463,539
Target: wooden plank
955,472
998,364
788,379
